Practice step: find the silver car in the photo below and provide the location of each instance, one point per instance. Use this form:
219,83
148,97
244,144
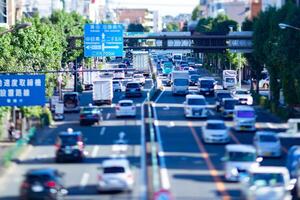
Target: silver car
267,144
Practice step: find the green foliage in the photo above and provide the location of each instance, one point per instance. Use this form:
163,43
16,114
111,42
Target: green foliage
34,111
279,51
196,14
171,27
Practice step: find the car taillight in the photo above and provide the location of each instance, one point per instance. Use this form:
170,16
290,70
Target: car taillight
50,184
25,185
80,144
117,107
57,146
99,177
81,116
129,176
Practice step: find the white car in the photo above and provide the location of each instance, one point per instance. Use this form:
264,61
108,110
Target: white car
195,106
125,108
117,85
139,78
264,183
238,159
267,144
115,174
243,96
244,118
215,131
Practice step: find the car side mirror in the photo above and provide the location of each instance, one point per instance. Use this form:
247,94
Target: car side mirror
291,184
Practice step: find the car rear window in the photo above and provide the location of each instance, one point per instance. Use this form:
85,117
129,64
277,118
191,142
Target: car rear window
133,85
268,138
112,170
68,139
38,178
216,126
125,104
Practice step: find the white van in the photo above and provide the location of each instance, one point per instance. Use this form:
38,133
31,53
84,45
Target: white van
244,118
71,102
195,106
238,159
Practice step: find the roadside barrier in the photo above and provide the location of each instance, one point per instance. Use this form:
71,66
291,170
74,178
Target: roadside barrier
13,151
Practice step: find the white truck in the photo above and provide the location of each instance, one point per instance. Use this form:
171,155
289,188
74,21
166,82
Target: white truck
229,79
180,82
141,61
103,92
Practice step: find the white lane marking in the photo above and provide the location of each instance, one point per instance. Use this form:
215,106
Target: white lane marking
171,124
166,108
165,182
108,115
95,151
157,99
102,131
143,187
84,180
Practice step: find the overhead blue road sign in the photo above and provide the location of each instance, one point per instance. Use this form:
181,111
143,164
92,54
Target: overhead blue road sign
103,40
22,90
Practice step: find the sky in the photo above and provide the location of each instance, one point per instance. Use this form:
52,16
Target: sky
165,7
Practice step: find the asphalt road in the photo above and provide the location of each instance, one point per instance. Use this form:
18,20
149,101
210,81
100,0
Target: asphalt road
194,169
81,178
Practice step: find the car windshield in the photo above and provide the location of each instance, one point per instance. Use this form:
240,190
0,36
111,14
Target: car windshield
113,170
68,140
133,85
230,104
268,138
216,126
206,84
245,114
267,179
195,77
177,57
238,156
223,95
230,80
191,72
194,102
241,92
70,99
181,82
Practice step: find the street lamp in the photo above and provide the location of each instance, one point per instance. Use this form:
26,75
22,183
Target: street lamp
284,26
17,27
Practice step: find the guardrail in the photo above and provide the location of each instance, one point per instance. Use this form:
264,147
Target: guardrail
13,151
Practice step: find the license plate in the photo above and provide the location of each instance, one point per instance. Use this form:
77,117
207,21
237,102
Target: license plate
207,93
37,188
267,153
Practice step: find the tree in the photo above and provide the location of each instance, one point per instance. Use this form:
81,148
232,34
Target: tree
197,13
136,28
171,27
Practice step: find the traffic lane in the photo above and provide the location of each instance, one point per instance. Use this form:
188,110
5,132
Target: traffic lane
187,169
80,178
43,155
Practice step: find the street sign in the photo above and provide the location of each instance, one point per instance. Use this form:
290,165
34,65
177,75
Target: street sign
22,90
103,40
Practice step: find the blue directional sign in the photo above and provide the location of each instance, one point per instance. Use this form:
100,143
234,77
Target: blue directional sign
103,40
22,90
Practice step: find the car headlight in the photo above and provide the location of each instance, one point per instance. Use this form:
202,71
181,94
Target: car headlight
234,172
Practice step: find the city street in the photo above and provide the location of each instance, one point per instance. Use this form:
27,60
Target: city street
101,143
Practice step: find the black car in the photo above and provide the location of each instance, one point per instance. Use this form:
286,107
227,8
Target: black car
133,89
42,184
220,95
69,146
90,115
